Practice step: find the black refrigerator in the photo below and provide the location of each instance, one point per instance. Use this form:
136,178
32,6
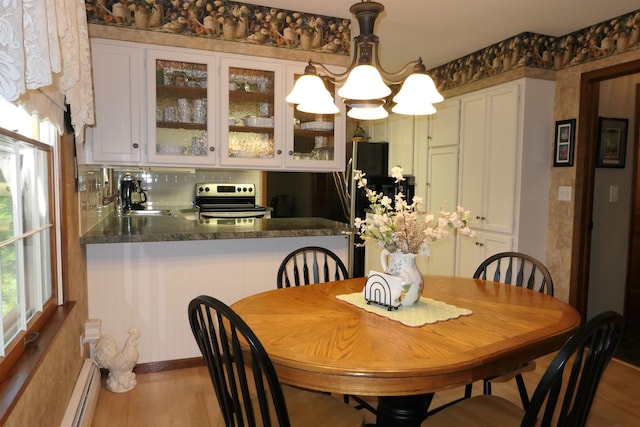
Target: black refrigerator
373,159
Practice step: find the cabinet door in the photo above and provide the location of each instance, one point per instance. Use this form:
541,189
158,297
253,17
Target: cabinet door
118,82
181,108
313,141
472,171
471,252
501,160
377,131
445,124
251,113
401,142
442,194
422,129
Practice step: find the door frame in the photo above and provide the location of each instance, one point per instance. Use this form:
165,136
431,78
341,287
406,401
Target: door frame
586,147
629,298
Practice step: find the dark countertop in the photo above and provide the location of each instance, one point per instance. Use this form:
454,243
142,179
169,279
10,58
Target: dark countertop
117,229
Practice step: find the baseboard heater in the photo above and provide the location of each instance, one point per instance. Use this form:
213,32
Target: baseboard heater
84,397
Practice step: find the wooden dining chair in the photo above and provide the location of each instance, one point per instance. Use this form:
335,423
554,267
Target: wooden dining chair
245,382
518,269
315,264
564,393
521,270
310,264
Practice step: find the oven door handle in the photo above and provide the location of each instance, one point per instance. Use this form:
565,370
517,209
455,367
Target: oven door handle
260,214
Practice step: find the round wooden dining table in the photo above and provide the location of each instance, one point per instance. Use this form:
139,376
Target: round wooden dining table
319,342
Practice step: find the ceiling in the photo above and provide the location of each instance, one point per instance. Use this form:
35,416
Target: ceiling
443,30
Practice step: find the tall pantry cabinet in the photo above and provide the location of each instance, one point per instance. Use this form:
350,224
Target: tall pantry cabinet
506,138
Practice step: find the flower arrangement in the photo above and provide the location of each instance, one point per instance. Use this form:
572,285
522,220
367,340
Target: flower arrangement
397,225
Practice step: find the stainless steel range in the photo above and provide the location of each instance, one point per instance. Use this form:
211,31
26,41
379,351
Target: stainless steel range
226,201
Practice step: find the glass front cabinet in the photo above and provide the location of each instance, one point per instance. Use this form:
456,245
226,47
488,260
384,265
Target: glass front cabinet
263,130
251,108
181,114
230,111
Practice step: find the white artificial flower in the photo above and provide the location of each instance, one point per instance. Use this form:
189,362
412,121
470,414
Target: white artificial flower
396,225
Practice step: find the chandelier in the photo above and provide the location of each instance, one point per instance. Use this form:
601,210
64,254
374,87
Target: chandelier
366,83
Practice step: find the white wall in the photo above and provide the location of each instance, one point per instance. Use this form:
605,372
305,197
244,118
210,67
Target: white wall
611,220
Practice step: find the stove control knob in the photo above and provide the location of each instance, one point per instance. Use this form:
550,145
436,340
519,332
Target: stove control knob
250,189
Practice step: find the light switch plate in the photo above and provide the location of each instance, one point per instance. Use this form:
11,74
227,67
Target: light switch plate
614,191
564,193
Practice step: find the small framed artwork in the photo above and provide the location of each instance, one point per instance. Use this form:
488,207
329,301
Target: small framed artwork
612,142
565,140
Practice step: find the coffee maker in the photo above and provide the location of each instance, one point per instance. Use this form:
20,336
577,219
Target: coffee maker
129,185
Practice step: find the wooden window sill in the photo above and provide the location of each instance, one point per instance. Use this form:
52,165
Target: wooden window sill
20,375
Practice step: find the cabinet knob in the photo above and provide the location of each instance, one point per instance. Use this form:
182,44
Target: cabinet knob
291,152
479,244
136,145
481,218
279,152
212,148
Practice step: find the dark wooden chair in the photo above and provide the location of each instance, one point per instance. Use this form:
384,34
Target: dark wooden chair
315,264
564,393
310,264
522,270
516,269
245,382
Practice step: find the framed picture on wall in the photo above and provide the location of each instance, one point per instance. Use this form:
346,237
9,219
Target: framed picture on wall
565,139
612,142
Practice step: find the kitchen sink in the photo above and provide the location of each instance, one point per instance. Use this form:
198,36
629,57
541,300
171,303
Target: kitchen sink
150,212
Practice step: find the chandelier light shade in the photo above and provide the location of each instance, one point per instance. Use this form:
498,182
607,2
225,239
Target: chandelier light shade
365,85
416,109
309,85
375,113
323,104
364,82
419,86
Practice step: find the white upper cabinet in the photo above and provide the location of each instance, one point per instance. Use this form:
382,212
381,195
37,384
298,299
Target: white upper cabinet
445,124
489,151
181,109
118,136
472,135
171,106
505,135
489,138
376,130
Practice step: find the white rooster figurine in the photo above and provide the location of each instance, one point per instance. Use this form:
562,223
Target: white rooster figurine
119,363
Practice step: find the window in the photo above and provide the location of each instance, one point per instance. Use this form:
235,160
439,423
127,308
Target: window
28,267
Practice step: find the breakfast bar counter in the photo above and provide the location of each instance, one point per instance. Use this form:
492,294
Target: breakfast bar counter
142,271
125,229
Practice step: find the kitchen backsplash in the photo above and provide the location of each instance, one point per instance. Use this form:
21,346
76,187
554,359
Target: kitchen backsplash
165,187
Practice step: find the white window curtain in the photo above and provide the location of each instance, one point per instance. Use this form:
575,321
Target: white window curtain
45,59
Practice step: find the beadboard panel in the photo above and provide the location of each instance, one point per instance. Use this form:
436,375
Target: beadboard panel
149,285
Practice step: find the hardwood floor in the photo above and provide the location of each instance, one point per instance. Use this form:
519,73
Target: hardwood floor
185,397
